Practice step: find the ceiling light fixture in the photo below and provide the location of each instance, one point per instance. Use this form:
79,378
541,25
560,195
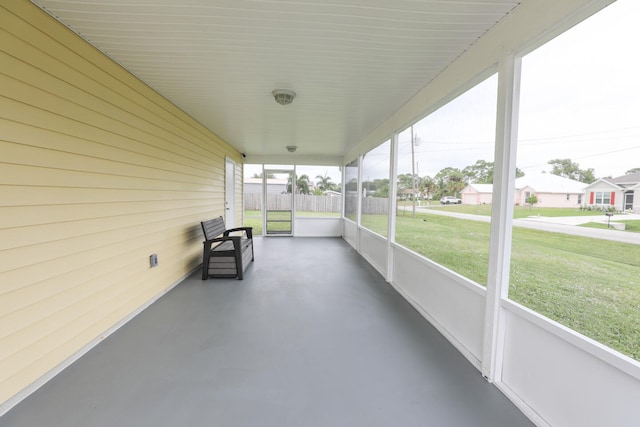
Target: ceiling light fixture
283,97
292,148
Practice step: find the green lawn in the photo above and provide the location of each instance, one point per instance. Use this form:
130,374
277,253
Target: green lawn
376,223
254,218
631,225
589,285
518,212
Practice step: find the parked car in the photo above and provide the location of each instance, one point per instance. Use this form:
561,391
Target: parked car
450,200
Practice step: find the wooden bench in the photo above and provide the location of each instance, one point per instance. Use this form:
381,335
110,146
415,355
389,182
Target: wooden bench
225,255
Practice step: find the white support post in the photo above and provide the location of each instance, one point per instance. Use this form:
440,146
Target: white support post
393,201
359,203
343,189
501,215
264,202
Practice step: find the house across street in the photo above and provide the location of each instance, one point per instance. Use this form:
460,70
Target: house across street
552,191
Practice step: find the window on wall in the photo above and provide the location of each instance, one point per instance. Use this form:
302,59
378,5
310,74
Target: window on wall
602,198
323,196
445,169
579,128
375,189
351,191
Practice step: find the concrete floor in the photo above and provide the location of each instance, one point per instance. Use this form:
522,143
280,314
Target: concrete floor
312,337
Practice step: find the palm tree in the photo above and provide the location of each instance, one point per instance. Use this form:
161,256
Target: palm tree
324,182
430,186
302,184
259,175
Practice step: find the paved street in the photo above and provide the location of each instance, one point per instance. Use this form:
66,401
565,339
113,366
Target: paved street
566,225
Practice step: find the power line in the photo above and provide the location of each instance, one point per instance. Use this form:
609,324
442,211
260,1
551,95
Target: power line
590,155
529,141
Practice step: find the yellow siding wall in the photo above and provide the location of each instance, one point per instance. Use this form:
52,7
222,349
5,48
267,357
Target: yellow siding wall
97,172
239,195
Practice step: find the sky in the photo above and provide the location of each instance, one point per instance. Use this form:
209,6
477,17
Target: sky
579,99
587,105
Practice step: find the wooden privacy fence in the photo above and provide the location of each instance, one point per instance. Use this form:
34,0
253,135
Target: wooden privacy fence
375,205
311,203
370,205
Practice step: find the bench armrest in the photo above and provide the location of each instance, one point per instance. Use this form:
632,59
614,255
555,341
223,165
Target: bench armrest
248,230
235,239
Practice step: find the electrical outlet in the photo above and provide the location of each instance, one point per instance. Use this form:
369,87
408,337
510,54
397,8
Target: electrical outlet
153,260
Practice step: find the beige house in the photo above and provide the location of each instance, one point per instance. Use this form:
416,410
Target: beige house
477,194
552,191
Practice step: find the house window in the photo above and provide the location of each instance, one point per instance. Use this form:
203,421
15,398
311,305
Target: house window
579,199
568,197
603,198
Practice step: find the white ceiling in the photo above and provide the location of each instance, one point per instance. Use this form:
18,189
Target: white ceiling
352,63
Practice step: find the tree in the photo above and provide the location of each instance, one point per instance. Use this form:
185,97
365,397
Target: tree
405,182
351,185
531,200
451,181
634,170
324,182
481,172
571,170
587,175
381,187
368,188
259,175
302,185
564,167
429,187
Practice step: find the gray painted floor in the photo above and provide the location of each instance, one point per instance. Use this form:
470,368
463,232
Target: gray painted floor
312,337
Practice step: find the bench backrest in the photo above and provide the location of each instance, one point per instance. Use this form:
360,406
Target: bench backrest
213,228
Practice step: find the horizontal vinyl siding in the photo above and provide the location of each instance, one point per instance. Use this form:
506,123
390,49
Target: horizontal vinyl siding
239,195
97,171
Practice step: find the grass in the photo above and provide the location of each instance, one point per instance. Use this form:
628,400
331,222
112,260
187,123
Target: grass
253,218
518,211
376,223
631,225
589,285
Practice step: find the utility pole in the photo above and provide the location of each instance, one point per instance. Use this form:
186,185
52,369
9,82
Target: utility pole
415,140
413,173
